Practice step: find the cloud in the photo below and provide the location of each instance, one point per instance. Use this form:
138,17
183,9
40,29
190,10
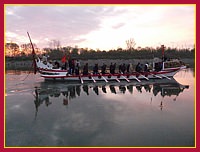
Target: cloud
54,22
118,25
100,26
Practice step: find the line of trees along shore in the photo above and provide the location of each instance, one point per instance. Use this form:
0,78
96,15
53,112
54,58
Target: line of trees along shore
85,54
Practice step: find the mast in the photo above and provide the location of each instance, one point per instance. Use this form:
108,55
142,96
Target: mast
163,56
33,54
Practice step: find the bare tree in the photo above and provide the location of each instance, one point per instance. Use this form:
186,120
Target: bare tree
130,44
27,48
55,44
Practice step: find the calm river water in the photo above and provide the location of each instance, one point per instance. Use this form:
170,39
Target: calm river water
158,113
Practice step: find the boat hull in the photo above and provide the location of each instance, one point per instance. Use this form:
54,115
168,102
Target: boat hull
115,77
49,73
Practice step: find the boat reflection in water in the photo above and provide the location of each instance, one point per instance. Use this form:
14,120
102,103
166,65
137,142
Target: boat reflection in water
68,92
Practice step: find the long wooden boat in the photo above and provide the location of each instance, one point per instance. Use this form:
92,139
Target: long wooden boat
48,72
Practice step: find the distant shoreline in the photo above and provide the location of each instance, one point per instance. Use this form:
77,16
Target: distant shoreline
27,65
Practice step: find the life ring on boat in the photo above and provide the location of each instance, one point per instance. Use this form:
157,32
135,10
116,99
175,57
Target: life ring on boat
99,76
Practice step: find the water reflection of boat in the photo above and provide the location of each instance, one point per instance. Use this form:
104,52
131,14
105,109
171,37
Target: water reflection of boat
68,92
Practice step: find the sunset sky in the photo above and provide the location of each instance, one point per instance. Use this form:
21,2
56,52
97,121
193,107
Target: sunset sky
101,27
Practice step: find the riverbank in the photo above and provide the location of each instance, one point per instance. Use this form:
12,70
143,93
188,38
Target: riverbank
27,65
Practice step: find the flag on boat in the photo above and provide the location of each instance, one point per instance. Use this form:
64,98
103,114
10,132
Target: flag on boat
163,49
63,60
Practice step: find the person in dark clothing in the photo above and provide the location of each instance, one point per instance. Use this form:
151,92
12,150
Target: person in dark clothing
158,66
146,67
120,68
77,69
85,69
70,62
128,68
103,69
64,66
138,67
123,68
112,68
73,66
57,64
95,69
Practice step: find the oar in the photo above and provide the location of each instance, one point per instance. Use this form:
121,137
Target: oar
117,80
165,76
144,77
157,76
104,78
136,79
93,79
126,78
81,79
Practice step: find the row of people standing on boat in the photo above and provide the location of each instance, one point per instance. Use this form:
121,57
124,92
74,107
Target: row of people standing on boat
96,69
73,67
122,69
139,67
